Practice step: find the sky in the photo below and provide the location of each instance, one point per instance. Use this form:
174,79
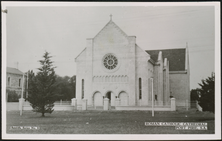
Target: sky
62,31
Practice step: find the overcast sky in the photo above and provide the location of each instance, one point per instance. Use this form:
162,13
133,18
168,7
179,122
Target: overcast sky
62,31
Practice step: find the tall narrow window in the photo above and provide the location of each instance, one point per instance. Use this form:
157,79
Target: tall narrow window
82,88
19,82
140,88
9,81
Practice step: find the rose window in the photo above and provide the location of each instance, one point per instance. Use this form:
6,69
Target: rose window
110,61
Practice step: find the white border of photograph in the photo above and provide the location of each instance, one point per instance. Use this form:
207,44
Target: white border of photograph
217,134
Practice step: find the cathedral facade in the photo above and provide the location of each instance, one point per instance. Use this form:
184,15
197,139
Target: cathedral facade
113,66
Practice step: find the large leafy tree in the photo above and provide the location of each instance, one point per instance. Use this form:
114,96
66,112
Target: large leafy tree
72,82
207,99
12,96
65,87
42,87
194,94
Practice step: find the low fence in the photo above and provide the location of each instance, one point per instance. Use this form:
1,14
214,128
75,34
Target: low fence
58,106
145,108
170,107
72,105
193,104
12,106
62,102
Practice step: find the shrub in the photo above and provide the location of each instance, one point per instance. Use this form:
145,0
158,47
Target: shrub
12,96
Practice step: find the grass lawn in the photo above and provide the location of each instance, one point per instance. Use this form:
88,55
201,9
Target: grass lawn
106,122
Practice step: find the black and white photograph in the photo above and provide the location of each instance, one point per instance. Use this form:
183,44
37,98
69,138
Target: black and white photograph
111,70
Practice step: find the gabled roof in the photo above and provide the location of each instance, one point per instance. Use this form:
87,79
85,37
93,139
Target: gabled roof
176,57
14,71
80,53
111,23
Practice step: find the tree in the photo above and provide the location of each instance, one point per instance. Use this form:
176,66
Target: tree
12,96
207,99
42,87
194,94
65,87
72,82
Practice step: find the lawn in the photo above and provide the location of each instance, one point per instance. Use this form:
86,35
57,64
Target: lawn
106,122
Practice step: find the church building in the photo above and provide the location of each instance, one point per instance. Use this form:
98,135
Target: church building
113,66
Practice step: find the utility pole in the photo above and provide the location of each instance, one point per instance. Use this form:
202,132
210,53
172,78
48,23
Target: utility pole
22,95
27,85
152,97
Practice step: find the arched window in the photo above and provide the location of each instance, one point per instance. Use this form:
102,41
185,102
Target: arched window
82,88
140,88
19,82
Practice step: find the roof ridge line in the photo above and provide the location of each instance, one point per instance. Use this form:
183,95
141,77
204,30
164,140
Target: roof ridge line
115,26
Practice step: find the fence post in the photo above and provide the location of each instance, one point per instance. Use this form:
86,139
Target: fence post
117,102
74,103
106,104
84,104
173,104
21,101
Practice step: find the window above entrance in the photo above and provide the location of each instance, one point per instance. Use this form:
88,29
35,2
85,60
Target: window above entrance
110,61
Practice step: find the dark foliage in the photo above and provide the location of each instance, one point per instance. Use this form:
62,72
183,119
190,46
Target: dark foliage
65,87
42,87
72,82
194,94
12,96
207,99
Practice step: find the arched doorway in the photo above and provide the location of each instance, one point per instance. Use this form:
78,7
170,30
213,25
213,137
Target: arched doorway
97,99
123,96
110,95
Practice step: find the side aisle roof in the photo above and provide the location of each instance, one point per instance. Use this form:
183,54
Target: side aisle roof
176,57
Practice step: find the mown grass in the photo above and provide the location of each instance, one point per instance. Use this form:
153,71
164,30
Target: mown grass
106,122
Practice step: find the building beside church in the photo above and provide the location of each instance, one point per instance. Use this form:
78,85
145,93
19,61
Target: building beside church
113,66
14,78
